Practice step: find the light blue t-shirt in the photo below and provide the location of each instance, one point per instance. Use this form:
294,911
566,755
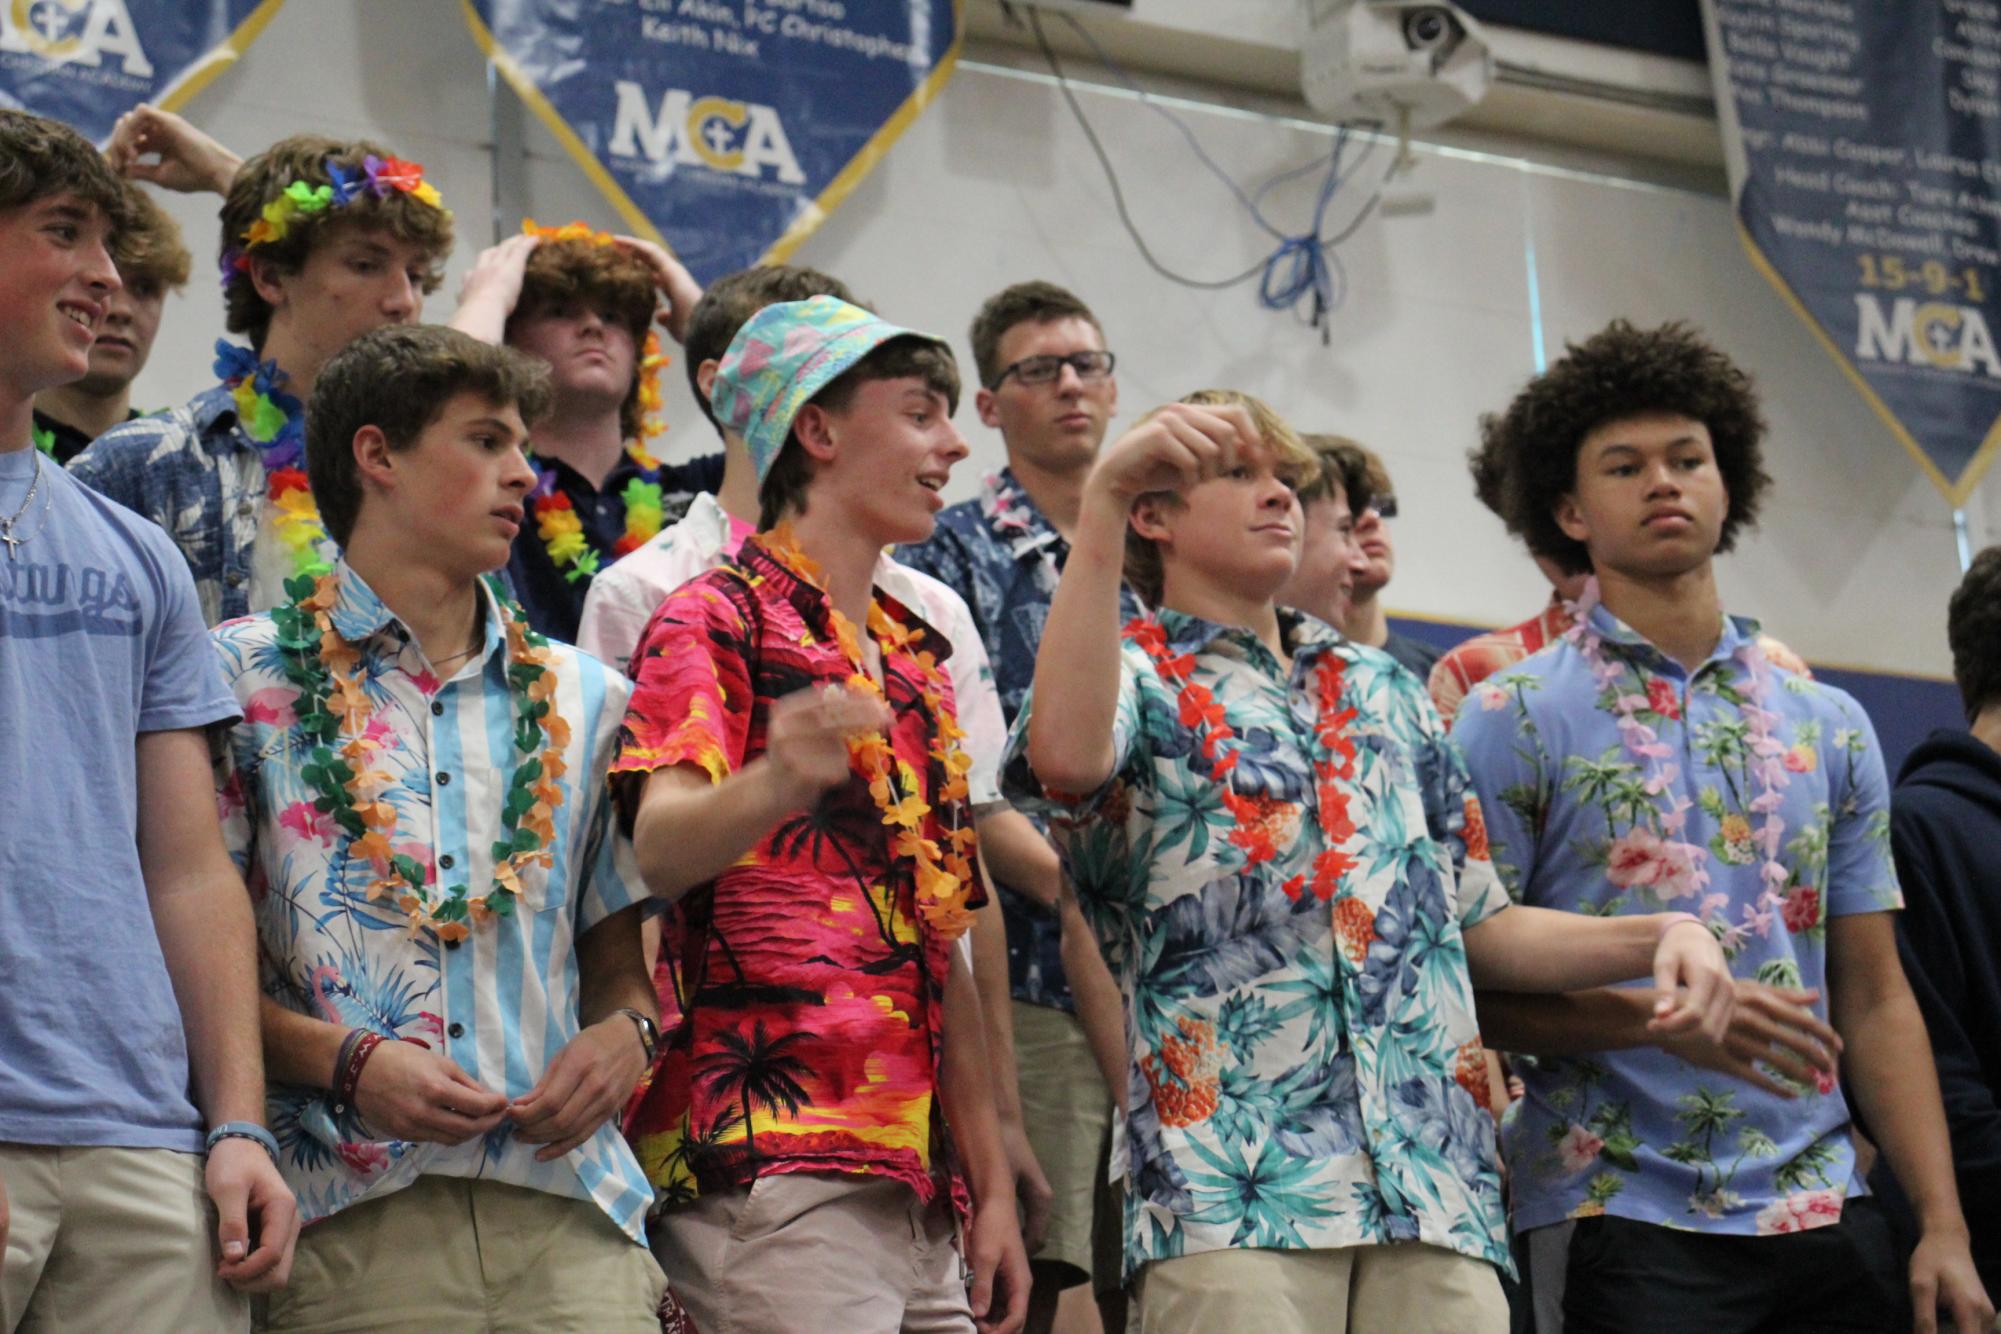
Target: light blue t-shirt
101,639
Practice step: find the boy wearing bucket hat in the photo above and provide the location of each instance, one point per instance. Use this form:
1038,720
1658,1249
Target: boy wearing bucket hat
792,766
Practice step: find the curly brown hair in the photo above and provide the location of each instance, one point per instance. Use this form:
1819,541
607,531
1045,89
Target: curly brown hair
1035,301
303,157
148,246
608,278
1973,629
399,379
1527,458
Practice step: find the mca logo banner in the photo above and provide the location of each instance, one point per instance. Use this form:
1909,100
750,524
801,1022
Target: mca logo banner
1864,148
88,62
728,129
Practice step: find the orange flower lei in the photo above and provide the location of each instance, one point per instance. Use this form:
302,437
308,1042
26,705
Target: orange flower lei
944,873
1202,711
332,702
556,521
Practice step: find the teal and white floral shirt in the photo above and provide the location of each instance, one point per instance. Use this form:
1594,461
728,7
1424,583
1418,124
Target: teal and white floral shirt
1305,1068
1617,782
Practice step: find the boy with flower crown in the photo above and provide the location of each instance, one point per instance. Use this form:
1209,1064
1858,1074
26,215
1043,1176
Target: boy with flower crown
456,1005
1276,848
1656,756
584,302
322,240
792,763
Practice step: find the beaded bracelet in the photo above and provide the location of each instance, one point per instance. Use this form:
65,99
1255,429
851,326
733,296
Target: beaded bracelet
249,1130
350,1074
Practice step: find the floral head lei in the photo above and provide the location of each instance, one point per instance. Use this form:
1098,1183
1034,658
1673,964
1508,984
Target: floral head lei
1687,861
333,704
376,178
556,519
275,422
944,870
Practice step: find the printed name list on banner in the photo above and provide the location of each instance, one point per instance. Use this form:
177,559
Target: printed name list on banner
1864,144
88,62
727,128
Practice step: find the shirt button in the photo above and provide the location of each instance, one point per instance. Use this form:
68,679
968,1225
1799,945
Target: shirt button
445,861
444,779
234,579
246,509
456,1030
437,708
451,944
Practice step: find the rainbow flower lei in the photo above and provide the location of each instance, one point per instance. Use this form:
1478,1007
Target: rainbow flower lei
376,178
333,701
276,422
556,521
944,872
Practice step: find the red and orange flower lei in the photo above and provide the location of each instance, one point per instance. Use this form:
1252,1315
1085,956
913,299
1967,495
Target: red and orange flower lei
1250,832
944,872
333,703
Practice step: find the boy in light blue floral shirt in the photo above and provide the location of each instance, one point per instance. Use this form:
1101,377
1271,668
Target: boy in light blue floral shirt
1278,853
1655,758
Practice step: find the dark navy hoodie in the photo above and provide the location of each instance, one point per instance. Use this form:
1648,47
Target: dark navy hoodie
1945,830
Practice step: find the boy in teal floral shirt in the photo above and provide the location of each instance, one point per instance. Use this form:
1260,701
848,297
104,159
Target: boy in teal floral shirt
1281,860
1652,758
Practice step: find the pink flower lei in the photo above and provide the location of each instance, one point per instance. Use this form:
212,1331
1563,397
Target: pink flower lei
1766,766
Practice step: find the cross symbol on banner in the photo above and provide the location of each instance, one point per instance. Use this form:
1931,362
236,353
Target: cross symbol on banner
1940,337
717,135
50,19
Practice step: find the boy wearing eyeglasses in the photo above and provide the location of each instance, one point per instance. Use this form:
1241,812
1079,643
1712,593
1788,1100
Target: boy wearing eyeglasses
1046,385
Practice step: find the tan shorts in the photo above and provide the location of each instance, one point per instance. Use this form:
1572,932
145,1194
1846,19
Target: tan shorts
800,1253
1067,1114
111,1239
451,1253
1409,1287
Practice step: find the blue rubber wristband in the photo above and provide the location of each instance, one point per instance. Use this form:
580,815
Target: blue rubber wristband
249,1130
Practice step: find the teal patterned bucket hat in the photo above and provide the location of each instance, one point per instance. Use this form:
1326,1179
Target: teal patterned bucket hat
782,357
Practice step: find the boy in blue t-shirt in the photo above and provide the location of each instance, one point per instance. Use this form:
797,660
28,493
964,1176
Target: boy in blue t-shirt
128,996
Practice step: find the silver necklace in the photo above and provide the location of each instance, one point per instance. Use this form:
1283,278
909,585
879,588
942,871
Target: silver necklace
7,524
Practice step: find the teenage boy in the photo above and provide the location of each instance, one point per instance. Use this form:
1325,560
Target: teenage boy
1046,384
797,785
1330,559
1655,757
1945,816
1368,622
1276,847
151,263
322,240
128,993
1466,665
584,303
456,1002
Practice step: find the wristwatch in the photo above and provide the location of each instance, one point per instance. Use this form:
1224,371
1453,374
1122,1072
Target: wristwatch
649,1032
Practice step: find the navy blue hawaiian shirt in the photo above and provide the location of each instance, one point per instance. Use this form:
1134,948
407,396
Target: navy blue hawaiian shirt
1003,557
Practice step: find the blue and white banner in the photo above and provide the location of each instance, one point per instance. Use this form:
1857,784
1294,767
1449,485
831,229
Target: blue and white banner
1863,139
729,129
88,62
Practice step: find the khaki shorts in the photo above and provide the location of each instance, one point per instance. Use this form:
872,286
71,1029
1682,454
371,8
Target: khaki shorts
1067,1113
111,1239
452,1253
801,1253
1408,1287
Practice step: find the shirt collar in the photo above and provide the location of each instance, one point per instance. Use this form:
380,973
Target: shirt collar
358,614
1737,631
813,607
1305,635
1013,516
213,412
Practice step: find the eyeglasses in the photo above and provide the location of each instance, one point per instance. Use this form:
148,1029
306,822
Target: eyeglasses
1043,370
1383,507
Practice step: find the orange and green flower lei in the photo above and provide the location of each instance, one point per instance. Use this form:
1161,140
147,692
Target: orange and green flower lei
276,422
333,703
1201,711
944,871
556,519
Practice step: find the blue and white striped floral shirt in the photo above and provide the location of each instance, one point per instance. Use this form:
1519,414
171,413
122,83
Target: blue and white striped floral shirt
502,1003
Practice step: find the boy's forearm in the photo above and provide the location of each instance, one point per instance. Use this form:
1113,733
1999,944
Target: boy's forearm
209,940
966,1088
1542,949
1077,666
1020,855
990,980
689,830
1100,1009
611,969
299,1049
1566,1024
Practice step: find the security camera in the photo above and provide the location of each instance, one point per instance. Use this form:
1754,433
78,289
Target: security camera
1433,31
